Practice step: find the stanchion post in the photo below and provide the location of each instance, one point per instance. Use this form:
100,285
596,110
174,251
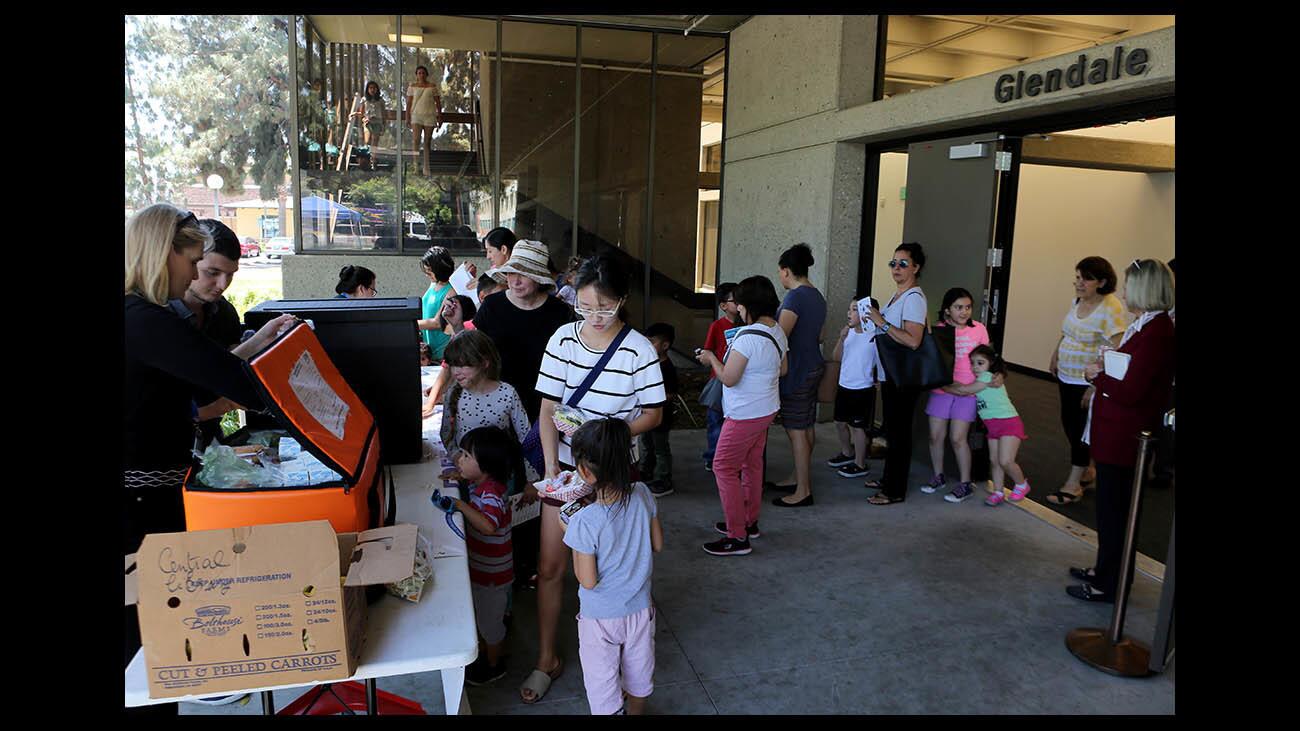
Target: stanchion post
268,703
1108,650
1130,537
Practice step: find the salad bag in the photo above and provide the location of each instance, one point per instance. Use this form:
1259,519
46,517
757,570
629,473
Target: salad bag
310,400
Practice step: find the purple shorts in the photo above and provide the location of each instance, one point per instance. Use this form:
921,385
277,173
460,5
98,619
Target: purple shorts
1012,427
948,406
617,655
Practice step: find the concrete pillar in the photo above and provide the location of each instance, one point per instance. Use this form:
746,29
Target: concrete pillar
800,192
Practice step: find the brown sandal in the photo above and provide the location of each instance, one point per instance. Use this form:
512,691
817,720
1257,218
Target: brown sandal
883,499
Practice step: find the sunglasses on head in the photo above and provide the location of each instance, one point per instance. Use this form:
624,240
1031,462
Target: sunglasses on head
185,217
899,263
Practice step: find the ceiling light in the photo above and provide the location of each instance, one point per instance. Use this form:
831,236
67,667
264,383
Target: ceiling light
415,36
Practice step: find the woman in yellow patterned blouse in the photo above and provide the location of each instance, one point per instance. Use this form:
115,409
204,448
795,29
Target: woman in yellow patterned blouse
1097,319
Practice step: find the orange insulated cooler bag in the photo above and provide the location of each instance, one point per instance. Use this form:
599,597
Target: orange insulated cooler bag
312,402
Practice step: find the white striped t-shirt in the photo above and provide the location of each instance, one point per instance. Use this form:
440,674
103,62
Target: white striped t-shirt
631,381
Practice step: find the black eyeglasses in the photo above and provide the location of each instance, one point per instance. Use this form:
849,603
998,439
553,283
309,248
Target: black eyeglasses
899,263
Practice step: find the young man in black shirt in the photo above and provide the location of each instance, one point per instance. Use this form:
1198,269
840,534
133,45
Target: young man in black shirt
656,454
205,307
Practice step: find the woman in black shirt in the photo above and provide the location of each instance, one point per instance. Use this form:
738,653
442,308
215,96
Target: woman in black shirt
166,359
521,322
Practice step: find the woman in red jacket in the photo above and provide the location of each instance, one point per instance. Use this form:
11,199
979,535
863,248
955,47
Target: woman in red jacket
1122,407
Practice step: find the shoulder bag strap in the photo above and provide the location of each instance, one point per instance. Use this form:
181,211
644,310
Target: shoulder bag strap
596,370
757,332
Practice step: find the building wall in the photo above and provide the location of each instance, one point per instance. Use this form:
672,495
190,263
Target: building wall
313,276
784,68
247,221
797,129
1063,215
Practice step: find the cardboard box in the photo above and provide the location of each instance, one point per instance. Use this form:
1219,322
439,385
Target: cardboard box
281,604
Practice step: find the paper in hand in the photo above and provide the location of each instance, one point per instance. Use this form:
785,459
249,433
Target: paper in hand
864,308
463,282
523,515
1116,364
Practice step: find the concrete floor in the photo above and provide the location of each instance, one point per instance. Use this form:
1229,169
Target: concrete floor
923,607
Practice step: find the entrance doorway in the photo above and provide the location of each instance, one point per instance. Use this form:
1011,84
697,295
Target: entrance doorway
1071,191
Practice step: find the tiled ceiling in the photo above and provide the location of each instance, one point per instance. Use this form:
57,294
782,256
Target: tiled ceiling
928,50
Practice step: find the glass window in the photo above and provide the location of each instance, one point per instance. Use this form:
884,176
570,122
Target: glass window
347,136
537,97
446,178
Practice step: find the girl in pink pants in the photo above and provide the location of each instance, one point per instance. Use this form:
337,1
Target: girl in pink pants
755,360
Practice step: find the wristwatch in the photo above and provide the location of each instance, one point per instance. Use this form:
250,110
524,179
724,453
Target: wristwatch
885,327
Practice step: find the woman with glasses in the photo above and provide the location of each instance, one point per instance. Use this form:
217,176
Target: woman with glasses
802,315
903,320
166,361
629,386
355,283
1128,396
1096,319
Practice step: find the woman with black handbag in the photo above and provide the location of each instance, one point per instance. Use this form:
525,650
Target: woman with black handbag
902,322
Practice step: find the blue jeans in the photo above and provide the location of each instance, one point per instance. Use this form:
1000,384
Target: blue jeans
714,422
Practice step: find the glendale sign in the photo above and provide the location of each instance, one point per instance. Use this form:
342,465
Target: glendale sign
1078,74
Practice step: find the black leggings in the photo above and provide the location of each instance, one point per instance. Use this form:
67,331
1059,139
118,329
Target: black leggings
899,407
1114,497
1074,418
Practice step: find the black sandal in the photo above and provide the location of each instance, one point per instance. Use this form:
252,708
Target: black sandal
1061,497
1085,575
874,485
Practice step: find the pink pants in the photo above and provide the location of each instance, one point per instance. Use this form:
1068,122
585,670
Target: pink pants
738,470
617,654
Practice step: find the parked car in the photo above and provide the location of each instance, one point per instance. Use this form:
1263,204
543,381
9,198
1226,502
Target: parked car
249,247
278,246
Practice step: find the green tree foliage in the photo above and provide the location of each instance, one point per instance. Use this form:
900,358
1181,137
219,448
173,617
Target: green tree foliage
217,88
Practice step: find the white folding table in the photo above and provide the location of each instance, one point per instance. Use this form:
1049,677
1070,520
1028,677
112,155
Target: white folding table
437,633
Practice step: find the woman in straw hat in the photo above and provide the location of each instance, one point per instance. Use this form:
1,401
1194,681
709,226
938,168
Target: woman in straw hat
522,321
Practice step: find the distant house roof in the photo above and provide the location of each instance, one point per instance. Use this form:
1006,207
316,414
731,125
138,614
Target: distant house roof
288,204
200,196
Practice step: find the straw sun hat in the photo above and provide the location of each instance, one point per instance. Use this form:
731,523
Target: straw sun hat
529,259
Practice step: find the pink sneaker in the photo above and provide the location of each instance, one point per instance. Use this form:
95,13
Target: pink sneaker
995,499
1019,493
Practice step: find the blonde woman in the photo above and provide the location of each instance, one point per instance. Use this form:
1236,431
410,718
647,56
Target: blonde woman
1124,404
166,359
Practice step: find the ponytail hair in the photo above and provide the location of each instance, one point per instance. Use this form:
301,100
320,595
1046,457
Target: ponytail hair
351,277
996,364
797,259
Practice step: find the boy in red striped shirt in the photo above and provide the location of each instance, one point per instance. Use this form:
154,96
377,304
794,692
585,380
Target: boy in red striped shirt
486,459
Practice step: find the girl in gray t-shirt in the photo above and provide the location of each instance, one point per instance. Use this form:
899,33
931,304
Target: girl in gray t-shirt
613,537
